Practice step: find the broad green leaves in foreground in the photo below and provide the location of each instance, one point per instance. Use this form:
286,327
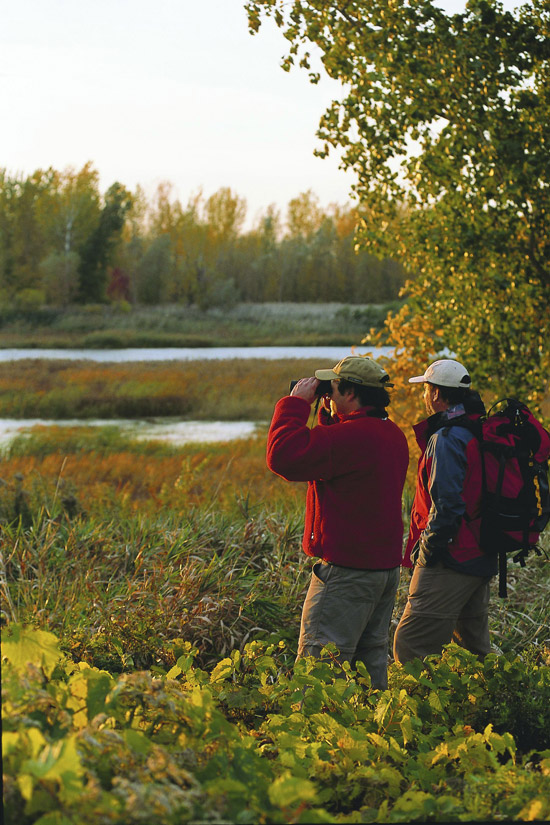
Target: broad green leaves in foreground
252,741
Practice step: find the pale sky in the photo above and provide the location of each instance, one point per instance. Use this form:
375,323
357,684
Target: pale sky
154,90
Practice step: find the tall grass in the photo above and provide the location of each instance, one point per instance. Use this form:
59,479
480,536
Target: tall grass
122,593
179,326
227,390
126,549
107,473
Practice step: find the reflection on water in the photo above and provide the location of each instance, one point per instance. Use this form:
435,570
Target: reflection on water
190,353
173,432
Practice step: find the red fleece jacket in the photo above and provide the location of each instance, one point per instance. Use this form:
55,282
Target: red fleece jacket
356,470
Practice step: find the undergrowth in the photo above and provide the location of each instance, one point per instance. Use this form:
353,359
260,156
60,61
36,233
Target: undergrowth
173,580
254,740
271,324
125,549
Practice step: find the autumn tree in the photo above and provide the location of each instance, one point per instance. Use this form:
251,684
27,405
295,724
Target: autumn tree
68,212
444,120
224,214
153,272
22,236
260,275
183,251
96,251
304,215
62,241
59,272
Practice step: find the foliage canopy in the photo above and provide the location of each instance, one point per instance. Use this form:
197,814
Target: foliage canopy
62,241
443,119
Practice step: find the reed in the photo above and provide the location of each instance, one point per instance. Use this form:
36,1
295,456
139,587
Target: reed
103,472
119,326
126,550
225,390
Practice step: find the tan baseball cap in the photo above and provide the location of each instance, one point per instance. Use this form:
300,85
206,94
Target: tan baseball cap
360,369
444,373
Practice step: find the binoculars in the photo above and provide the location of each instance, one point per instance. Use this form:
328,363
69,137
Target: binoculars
324,388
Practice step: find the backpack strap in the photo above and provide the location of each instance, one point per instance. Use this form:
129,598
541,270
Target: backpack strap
502,588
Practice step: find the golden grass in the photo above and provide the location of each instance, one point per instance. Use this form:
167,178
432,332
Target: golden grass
141,479
231,390
119,544
240,389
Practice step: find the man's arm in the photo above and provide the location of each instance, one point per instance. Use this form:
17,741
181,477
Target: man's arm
445,484
294,451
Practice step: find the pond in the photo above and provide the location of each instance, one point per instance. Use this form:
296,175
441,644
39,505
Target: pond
332,354
167,430
173,431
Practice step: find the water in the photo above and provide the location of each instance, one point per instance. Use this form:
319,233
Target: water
166,430
172,431
330,354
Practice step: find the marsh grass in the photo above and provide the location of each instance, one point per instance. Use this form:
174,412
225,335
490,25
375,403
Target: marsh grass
99,326
107,473
127,550
126,594
223,390
125,547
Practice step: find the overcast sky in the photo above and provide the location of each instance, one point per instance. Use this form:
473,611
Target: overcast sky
154,90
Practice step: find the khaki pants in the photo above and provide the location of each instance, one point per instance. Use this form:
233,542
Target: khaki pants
352,609
443,606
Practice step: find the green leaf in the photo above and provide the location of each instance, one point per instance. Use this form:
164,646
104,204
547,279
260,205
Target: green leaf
287,791
222,671
57,761
137,741
406,729
92,687
99,685
21,646
26,785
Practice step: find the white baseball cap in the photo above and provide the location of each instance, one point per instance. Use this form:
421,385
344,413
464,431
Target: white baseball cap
445,373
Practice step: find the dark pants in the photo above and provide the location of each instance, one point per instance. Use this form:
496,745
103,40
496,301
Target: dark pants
443,606
352,609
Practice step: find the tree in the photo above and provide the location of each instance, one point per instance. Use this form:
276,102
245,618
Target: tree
304,215
153,272
22,239
97,250
259,275
224,212
443,118
68,212
119,287
190,247
45,219
71,209
60,277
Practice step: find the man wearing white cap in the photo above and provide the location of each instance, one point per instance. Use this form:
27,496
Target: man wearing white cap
449,591
355,462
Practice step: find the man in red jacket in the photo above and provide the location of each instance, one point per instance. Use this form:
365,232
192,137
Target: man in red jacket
355,462
449,590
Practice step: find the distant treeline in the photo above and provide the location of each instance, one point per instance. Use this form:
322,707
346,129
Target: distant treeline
64,242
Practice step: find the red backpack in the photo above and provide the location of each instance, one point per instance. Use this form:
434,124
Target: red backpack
516,498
